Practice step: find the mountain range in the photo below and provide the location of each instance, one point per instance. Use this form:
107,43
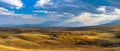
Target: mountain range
52,24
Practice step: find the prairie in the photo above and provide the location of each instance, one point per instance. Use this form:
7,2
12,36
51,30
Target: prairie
96,38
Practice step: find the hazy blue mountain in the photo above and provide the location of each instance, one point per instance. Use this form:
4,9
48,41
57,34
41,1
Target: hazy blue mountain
115,22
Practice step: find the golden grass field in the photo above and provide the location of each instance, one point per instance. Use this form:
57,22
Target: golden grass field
44,42
96,38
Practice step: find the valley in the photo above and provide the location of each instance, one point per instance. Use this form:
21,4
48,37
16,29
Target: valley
105,38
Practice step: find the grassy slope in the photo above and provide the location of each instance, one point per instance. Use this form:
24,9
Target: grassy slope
36,42
82,48
6,48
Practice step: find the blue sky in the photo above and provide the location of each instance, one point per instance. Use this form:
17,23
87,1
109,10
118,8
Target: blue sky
59,12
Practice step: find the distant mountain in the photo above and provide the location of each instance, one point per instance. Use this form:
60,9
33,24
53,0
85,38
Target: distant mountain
48,23
74,24
115,22
55,23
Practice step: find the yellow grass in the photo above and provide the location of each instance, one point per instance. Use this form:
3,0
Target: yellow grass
6,48
41,42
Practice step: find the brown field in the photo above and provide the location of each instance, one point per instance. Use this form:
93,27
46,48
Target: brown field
96,38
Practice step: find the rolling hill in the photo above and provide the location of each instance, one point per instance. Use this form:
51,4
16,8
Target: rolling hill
89,38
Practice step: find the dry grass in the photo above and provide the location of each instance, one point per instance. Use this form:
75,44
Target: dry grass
6,48
41,42
82,48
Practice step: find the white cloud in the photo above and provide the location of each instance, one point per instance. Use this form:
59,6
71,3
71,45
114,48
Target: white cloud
68,0
44,11
8,13
68,14
41,3
19,18
4,11
70,5
90,19
13,3
53,14
59,3
101,9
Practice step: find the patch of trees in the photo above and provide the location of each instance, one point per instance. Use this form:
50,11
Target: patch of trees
71,37
117,34
98,42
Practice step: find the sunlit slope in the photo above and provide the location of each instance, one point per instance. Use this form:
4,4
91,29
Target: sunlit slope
30,41
6,48
65,42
